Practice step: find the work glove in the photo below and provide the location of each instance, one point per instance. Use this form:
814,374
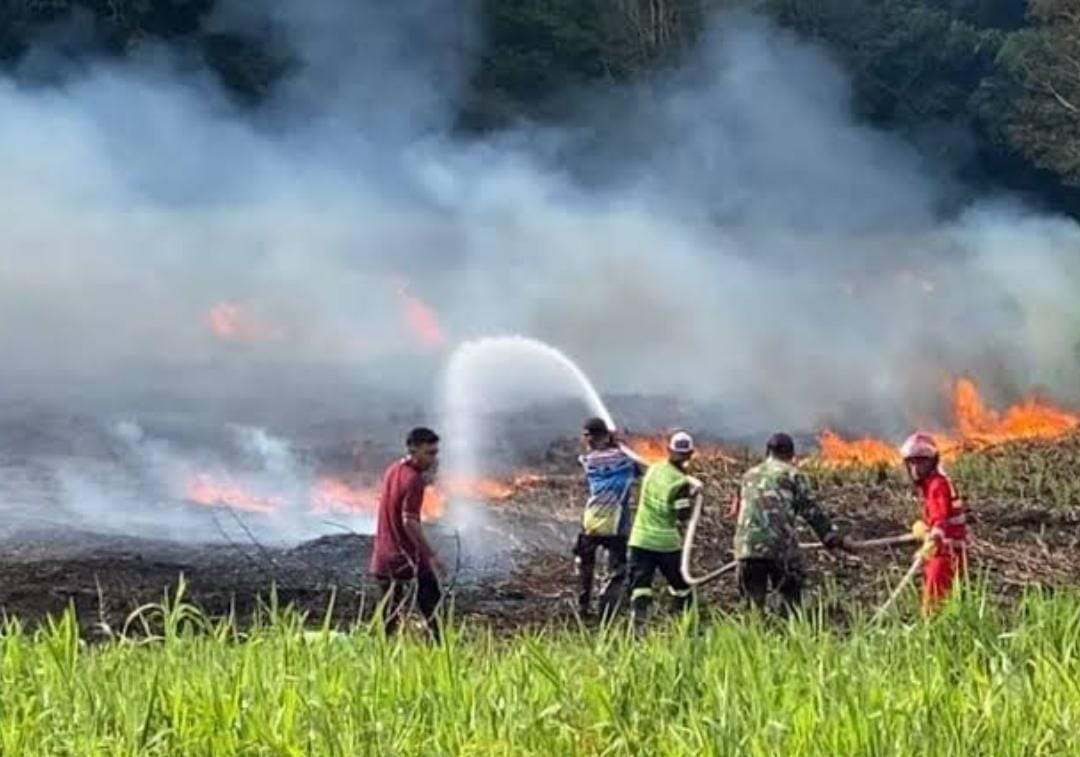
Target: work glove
835,541
919,530
927,550
847,545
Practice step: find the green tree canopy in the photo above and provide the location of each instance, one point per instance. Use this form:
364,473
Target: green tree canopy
1005,72
1043,64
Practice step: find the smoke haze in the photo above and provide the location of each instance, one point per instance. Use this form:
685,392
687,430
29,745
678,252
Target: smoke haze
727,233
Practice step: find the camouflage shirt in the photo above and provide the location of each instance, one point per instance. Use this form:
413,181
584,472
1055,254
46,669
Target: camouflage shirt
770,497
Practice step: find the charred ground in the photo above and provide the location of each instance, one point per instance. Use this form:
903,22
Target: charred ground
514,570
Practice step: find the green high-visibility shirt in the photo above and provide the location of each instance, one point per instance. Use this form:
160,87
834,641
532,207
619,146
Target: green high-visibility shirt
664,492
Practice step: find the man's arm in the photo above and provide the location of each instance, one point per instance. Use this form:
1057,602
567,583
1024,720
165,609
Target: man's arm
410,514
640,466
681,500
807,508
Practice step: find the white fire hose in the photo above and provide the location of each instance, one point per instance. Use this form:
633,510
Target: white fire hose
888,541
912,571
691,531
633,455
688,542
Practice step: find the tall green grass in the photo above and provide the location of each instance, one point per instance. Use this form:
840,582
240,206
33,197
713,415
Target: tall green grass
1039,476
975,680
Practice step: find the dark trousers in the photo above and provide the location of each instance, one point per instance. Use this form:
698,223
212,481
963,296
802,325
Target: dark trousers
585,552
644,564
757,576
399,595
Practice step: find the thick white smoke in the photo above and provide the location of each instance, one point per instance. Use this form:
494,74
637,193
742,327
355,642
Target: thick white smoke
728,233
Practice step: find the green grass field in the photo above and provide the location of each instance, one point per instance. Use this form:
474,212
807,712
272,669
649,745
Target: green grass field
988,675
977,679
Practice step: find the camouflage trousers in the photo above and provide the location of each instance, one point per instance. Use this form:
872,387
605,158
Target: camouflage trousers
757,576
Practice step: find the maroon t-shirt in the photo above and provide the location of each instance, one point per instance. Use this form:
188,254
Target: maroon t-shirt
396,554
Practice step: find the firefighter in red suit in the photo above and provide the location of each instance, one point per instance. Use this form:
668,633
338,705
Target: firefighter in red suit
944,523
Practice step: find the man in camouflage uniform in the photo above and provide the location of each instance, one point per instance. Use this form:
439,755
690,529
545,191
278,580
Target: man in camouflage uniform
771,495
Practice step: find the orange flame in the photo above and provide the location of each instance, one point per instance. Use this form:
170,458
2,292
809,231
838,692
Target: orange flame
332,495
653,449
230,322
421,319
204,490
1029,419
525,480
335,495
477,488
434,506
975,426
857,452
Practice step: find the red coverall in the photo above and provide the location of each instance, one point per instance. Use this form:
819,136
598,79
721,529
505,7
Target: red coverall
946,521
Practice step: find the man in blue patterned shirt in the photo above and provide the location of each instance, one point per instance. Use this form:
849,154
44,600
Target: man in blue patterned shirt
610,472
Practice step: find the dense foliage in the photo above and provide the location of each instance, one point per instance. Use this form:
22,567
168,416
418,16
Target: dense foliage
1002,73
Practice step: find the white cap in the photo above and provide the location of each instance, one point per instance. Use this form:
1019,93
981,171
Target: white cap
681,442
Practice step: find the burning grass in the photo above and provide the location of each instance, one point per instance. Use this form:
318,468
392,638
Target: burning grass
1024,498
336,495
993,674
1025,515
653,449
421,319
230,322
975,426
1015,475
978,679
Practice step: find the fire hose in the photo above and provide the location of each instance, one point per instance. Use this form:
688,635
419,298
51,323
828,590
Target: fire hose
688,542
916,563
691,531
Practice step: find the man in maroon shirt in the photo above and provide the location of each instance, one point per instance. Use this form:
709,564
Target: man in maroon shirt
402,561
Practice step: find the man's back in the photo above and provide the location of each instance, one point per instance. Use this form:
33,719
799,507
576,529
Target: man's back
610,475
770,496
654,524
395,554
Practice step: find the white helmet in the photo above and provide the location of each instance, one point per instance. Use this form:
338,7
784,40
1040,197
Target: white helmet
919,445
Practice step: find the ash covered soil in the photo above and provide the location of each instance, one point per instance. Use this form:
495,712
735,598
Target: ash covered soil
514,569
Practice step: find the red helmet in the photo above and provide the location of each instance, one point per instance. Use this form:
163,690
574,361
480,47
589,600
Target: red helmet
919,445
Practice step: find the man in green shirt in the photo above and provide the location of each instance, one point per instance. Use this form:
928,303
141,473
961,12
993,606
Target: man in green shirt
655,540
772,496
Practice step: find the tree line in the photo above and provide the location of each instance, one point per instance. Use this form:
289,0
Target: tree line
1006,72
